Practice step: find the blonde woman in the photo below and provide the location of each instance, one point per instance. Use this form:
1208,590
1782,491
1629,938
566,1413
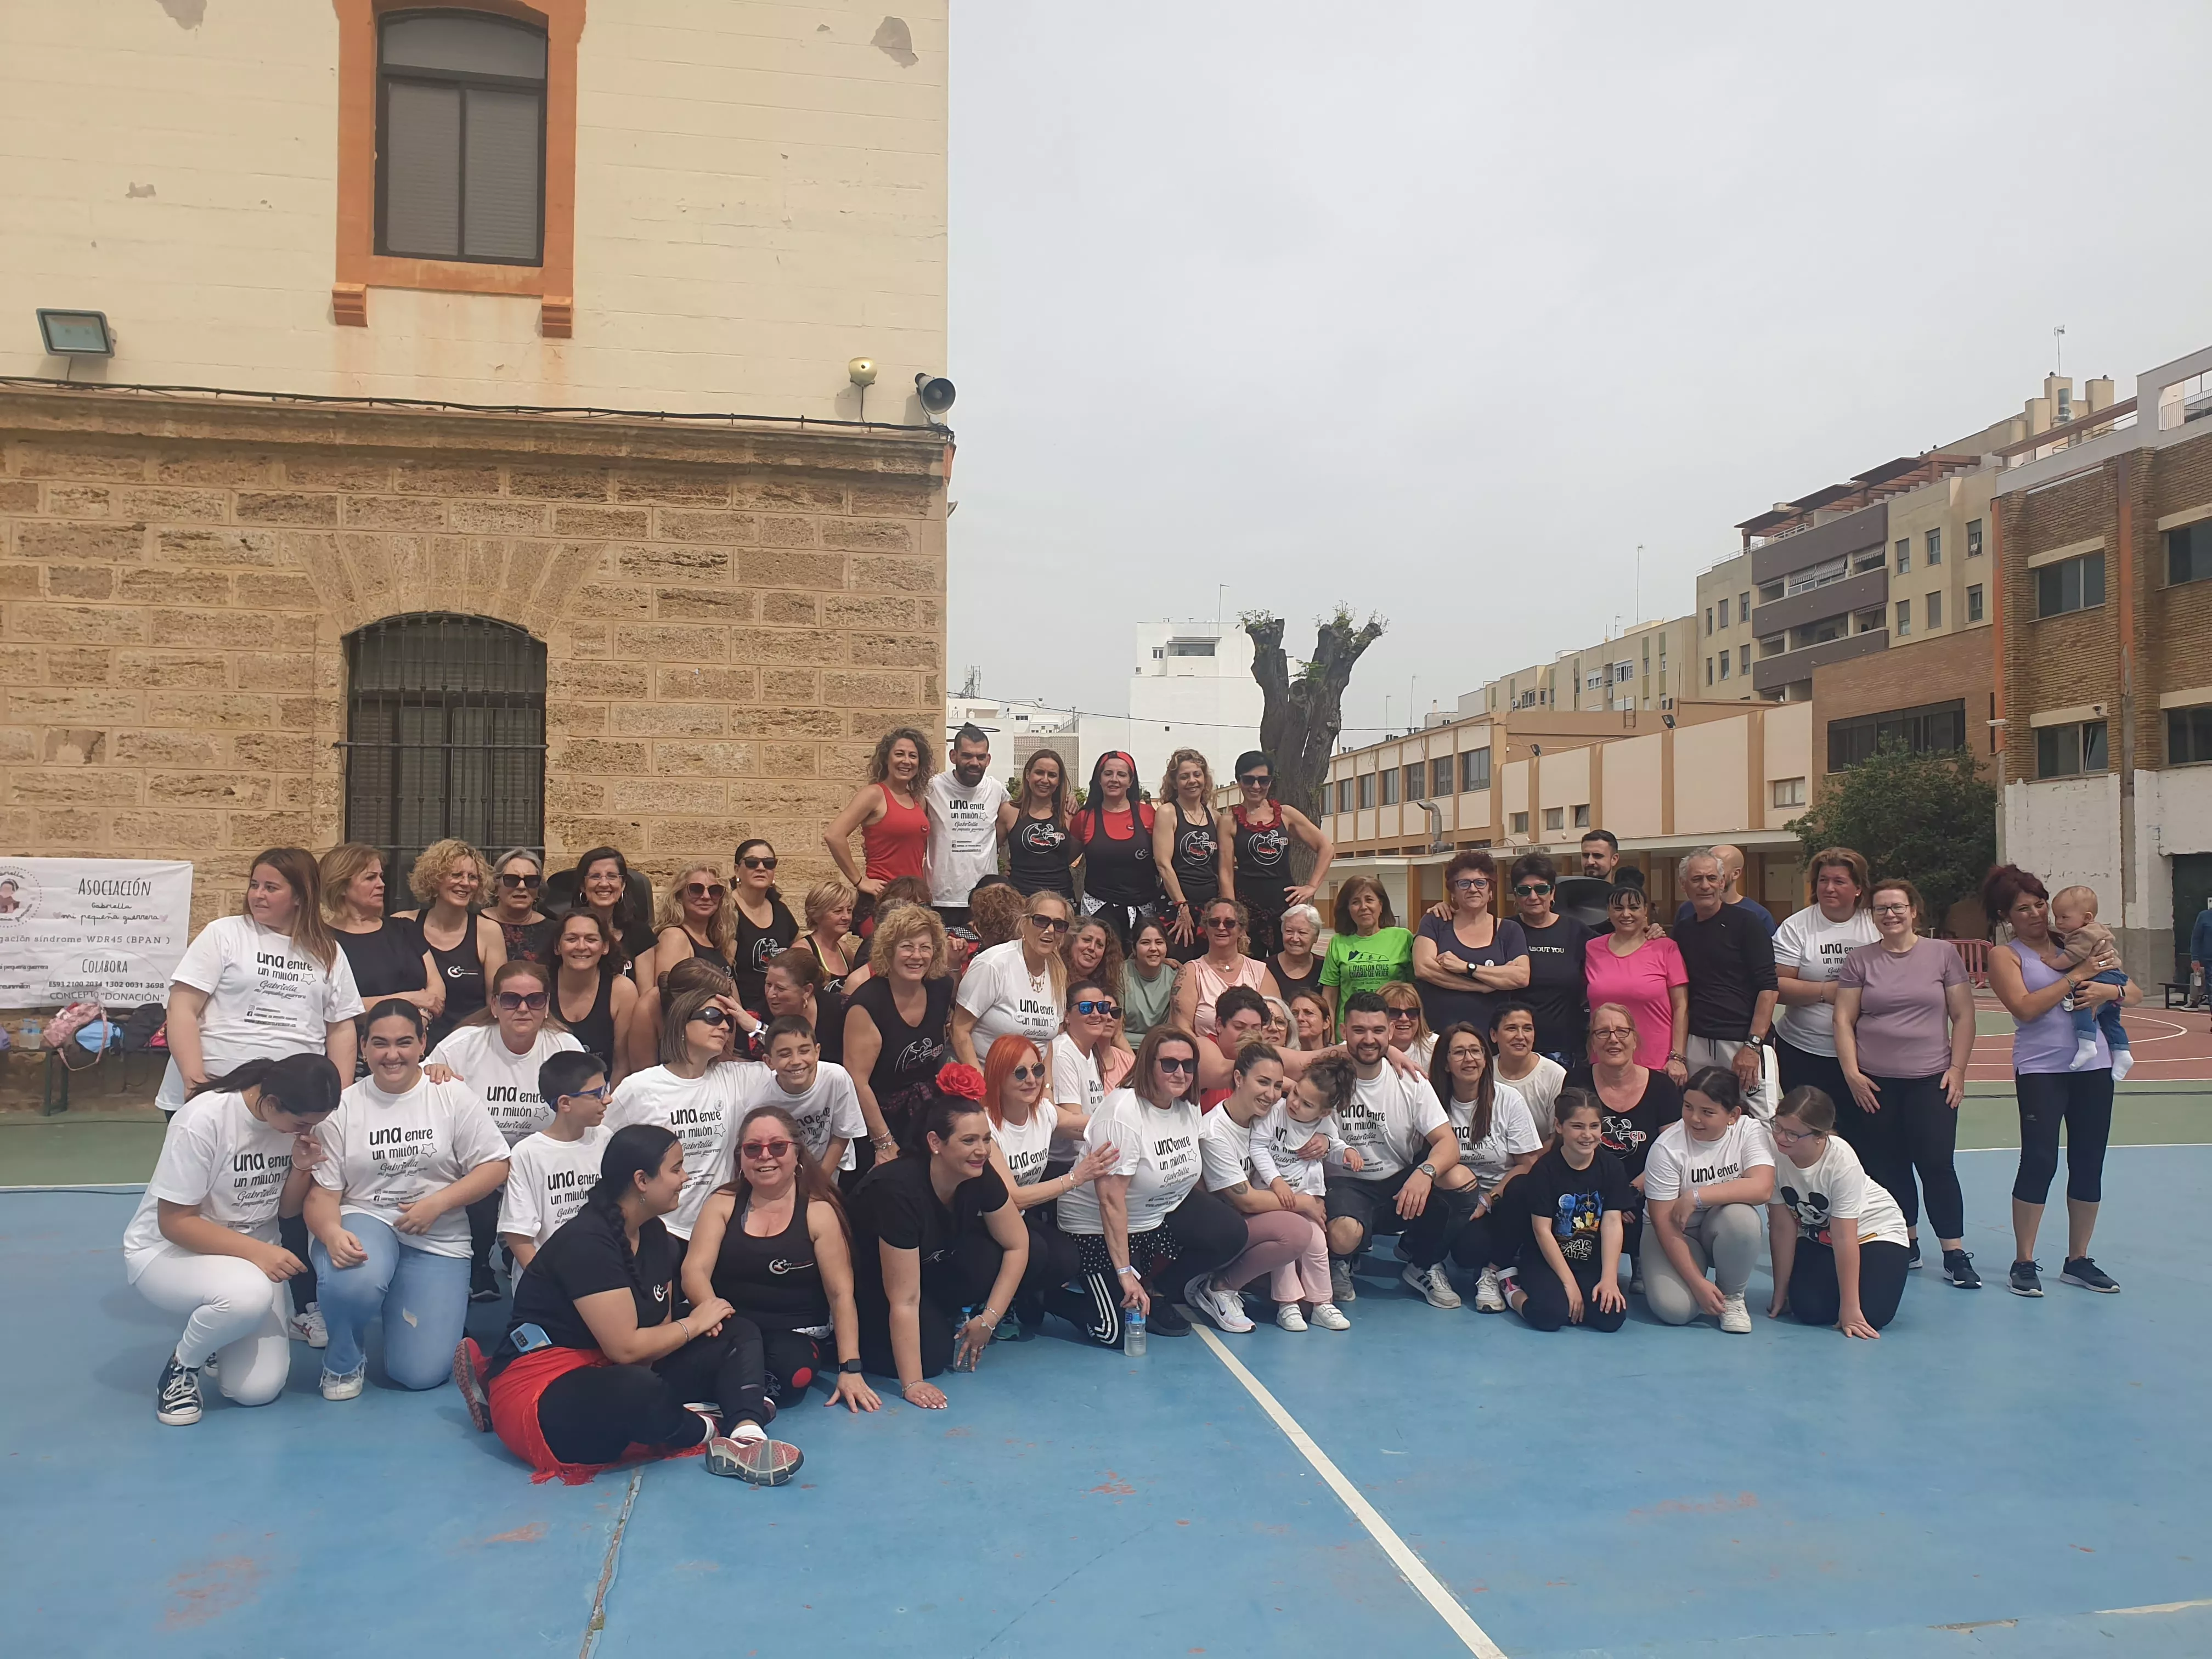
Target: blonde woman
466,948
1020,986
829,909
385,954
897,1024
1222,964
695,919
1186,848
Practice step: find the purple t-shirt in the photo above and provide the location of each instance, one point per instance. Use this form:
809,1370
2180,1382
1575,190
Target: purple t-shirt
1902,1029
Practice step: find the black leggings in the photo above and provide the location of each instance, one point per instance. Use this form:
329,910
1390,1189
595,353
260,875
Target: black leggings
1914,1129
963,1277
591,1415
292,1231
772,1361
1496,1239
1815,1297
1200,1235
2082,1101
1053,1261
483,1227
1803,1069
1546,1308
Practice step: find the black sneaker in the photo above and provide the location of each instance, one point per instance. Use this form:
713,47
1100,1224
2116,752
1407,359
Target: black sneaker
1166,1319
483,1284
177,1401
2080,1270
1913,1257
2025,1280
1959,1268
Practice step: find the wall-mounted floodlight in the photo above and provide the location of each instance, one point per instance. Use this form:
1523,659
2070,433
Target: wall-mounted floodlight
76,333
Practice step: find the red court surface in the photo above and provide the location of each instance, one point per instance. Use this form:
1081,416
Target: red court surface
2171,1045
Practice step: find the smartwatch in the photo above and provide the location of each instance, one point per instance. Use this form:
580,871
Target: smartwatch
848,1367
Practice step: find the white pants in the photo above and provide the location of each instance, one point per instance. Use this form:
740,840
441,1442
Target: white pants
235,1310
1721,1052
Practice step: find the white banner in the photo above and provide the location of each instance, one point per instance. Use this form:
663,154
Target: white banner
113,928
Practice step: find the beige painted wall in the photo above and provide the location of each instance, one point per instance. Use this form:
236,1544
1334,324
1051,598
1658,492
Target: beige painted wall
1709,777
1563,783
1632,786
1789,753
760,197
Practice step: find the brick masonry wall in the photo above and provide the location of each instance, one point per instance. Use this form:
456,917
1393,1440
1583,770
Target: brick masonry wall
731,617
1953,665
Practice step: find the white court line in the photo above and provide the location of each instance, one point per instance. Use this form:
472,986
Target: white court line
2155,1607
1415,1570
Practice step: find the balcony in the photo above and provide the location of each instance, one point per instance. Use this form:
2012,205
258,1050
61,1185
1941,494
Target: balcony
1863,592
1769,674
1839,537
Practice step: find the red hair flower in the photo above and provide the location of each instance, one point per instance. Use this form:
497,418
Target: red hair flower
964,1081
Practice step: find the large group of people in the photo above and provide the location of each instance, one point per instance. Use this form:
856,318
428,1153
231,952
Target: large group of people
711,1156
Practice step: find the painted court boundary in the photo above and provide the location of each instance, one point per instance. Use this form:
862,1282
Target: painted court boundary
1415,1570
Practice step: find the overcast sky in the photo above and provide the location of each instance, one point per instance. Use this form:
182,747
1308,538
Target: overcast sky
1442,310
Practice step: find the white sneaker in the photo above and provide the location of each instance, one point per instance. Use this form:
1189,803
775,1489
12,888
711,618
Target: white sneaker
1735,1318
306,1326
1433,1283
1288,1318
1341,1287
347,1387
1488,1298
1326,1316
1225,1307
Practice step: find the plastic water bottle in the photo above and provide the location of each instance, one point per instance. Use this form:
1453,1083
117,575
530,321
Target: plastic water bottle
1132,1333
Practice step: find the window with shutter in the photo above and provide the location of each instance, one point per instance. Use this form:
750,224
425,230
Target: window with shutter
460,138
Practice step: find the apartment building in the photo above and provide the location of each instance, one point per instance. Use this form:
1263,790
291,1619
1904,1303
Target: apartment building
1724,646
1636,668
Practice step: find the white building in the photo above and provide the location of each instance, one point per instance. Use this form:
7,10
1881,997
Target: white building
1191,688
1017,730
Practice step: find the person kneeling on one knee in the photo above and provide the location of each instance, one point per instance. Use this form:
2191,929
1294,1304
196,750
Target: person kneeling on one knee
1705,1183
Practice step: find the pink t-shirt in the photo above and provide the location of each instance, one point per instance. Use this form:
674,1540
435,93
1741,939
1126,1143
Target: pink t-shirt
1639,982
1902,1029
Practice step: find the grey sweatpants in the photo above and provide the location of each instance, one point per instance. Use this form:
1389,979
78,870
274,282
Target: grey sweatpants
1724,1240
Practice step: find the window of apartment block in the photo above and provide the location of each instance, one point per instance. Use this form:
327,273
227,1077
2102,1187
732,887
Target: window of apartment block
1743,659
1934,610
1582,816
2188,736
1934,547
1417,778
1473,769
1743,607
2070,585
2062,752
1709,619
1903,618
1440,775
460,138
2189,553
1727,660
1520,824
1366,790
1974,604
1869,621
1555,818
1724,613
1973,538
1789,792
1903,555
1390,778
1927,729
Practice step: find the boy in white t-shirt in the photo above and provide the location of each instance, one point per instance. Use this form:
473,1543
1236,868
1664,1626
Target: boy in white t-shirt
550,1172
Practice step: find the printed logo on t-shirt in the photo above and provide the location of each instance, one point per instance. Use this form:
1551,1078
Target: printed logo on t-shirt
1265,848
281,978
780,1266
1197,846
1704,1175
1040,835
920,1054
661,1293
1620,1134
256,1180
1812,1210
1575,1224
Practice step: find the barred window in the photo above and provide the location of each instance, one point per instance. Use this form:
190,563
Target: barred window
444,736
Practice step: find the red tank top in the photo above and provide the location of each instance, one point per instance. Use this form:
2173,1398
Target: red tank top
895,843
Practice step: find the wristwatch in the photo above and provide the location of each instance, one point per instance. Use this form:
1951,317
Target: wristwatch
1430,1170
849,1367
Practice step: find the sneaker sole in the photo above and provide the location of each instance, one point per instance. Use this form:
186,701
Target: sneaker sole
472,1386
2101,1290
755,1463
177,1419
1422,1291
1963,1284
2017,1291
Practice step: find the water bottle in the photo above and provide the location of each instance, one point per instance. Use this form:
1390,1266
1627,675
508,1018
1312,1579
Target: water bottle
1132,1333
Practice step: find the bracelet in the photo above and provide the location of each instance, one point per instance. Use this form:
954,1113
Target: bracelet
1128,1272
991,1313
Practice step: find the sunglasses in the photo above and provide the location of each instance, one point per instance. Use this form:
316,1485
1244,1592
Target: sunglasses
1256,780
1023,1073
1170,1063
1223,924
1048,924
1111,1010
758,863
711,1017
514,1002
701,889
765,1148
1407,1014
1531,889
528,884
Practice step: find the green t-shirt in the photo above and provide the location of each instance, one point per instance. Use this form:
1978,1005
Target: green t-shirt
1355,965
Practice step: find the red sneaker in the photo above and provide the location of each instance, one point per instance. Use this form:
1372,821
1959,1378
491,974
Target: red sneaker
468,1378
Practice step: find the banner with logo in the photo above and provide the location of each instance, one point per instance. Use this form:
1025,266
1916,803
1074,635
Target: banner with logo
73,928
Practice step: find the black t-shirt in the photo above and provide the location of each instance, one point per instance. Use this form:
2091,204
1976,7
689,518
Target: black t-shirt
1573,1202
384,963
1556,990
1629,1135
1730,959
895,1205
584,1258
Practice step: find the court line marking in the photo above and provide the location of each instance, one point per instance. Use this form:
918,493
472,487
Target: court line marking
2155,1607
1410,1567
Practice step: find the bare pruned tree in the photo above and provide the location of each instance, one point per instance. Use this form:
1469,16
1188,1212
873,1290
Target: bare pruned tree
1303,710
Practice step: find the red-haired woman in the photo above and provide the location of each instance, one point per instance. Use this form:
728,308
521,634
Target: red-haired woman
1024,1123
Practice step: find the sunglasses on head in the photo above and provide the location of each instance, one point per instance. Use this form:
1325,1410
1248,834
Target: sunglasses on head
754,861
765,1148
529,884
1023,1073
1048,924
702,889
1531,889
1174,1063
514,1002
1092,1005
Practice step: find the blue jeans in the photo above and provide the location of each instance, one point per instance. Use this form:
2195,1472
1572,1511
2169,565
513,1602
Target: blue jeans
424,1299
2105,1014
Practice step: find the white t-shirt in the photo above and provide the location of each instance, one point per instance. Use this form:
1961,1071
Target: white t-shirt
963,835
547,1182
1159,1153
829,1109
266,999
1676,1161
698,1109
1276,1138
1076,1085
1225,1150
1839,1186
1027,1147
1389,1119
386,1151
505,1081
1002,993
1816,947
1512,1132
1540,1091
219,1155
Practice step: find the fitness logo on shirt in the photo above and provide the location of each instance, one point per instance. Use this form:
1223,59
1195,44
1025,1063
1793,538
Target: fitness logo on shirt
1042,835
1266,846
1197,845
1621,1135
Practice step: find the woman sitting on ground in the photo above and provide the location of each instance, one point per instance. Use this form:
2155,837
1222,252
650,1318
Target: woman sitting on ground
1838,1238
1705,1184
1498,1144
596,1367
771,1241
1569,1273
934,1232
203,1241
1025,1126
1281,1242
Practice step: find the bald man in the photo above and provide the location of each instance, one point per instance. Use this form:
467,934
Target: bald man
1731,860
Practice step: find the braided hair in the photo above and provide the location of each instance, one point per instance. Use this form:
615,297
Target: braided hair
634,1150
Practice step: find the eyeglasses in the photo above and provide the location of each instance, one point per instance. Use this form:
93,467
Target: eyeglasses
1892,909
514,1002
1468,883
765,1148
757,863
528,884
1223,924
1791,1137
599,1093
1611,1034
1048,924
1089,1006
701,889
1171,1063
712,1016
1023,1073
1531,889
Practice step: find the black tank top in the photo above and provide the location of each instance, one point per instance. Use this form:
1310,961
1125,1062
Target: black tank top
774,1280
697,950
1291,984
460,970
1040,857
907,1063
1119,872
1197,859
384,963
596,1030
757,947
1263,862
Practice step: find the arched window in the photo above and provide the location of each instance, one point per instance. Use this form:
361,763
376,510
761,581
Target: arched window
444,736
460,152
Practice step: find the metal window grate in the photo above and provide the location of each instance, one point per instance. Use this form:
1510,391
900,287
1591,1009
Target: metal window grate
445,736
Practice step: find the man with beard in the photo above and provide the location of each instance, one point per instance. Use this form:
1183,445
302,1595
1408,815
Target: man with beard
963,803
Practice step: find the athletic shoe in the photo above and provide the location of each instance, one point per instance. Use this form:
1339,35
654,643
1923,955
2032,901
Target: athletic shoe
1735,1318
306,1326
1341,1287
1488,1298
483,1284
347,1387
177,1400
2080,1270
1225,1307
1326,1316
1635,1283
1913,1257
747,1454
468,1378
1008,1329
2025,1278
1959,1268
1166,1319
1433,1283
1288,1318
